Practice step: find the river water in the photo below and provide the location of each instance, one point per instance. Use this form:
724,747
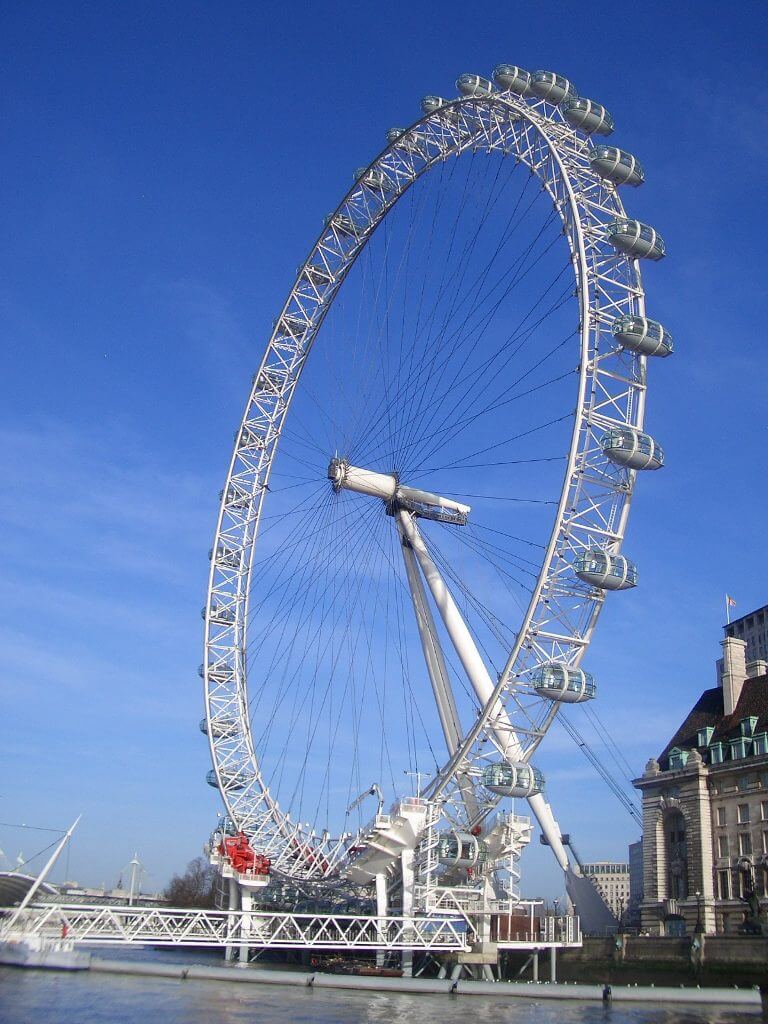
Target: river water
53,997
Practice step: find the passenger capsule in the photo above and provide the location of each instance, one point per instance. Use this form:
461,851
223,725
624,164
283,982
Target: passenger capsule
430,104
632,448
291,323
342,225
250,438
518,779
616,165
460,849
513,79
236,497
374,179
606,571
563,683
474,85
639,334
407,139
587,115
233,781
551,87
314,274
220,728
636,239
225,556
219,614
219,671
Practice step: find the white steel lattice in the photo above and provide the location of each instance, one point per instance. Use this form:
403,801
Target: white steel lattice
111,925
609,386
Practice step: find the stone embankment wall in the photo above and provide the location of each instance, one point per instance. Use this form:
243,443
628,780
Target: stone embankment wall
703,960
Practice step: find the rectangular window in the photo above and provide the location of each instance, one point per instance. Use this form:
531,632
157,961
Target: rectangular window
765,843
716,753
745,844
721,815
677,758
764,810
724,885
704,736
739,747
742,783
722,846
741,885
760,743
743,815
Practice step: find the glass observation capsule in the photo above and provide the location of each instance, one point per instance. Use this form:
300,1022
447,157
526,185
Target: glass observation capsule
233,780
314,274
219,671
616,165
227,557
410,141
639,334
292,322
430,104
512,78
636,239
460,850
250,437
343,225
374,179
605,571
563,683
551,87
474,85
587,115
435,104
220,728
518,779
223,616
632,448
393,134
237,498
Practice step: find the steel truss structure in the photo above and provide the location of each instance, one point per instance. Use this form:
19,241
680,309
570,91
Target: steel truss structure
591,512
110,925
100,925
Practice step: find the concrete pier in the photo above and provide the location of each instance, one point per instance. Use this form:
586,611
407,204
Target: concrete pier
744,999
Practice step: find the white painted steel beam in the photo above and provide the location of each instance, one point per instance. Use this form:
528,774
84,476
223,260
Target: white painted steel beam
95,924
498,720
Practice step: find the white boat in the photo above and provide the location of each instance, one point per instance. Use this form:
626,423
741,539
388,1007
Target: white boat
21,950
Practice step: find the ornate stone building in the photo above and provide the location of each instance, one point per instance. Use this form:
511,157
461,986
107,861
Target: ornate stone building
705,809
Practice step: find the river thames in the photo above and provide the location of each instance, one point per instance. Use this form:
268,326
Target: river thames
95,998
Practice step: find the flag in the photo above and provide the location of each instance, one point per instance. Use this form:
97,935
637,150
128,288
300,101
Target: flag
729,601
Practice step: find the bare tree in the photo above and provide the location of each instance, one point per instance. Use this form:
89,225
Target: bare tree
195,888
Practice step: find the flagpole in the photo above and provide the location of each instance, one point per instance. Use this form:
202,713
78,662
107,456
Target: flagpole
727,611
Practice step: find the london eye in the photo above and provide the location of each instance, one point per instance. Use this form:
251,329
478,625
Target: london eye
427,499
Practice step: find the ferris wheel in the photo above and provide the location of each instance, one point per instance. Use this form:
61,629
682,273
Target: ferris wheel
429,490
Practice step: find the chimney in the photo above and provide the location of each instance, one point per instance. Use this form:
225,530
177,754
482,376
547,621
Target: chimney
758,667
734,671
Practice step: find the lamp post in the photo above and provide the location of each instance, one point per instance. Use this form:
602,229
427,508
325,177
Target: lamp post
698,927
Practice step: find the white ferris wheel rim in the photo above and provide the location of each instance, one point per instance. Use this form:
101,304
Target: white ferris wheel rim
608,286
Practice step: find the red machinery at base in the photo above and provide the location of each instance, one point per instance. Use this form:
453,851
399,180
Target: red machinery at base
238,852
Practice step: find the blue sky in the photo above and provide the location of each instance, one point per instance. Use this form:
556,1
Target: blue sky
166,168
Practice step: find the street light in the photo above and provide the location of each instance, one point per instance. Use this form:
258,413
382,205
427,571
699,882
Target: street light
698,928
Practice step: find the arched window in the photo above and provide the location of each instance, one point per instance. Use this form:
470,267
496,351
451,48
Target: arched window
676,849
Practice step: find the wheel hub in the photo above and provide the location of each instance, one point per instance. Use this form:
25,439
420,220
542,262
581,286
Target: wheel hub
395,495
